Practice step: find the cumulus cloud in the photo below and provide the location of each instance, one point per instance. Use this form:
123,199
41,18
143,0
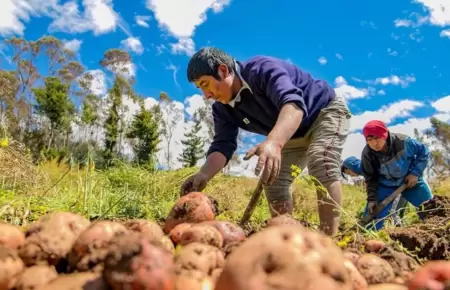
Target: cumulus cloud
347,91
322,60
183,46
133,44
182,21
73,45
142,20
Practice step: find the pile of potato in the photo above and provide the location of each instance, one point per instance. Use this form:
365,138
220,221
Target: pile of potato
193,251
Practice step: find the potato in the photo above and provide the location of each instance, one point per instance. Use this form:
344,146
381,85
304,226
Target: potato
176,233
91,247
149,228
432,272
194,207
35,277
77,281
283,219
166,242
10,267
285,257
351,256
387,286
230,247
50,238
205,234
374,246
11,236
199,257
136,262
375,269
230,232
358,281
193,280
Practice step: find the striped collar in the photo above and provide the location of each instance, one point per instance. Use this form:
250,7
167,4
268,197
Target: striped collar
245,85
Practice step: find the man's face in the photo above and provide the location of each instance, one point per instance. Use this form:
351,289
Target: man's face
218,90
375,143
349,172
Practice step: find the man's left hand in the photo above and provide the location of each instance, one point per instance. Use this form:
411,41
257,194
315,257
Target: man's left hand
411,181
269,153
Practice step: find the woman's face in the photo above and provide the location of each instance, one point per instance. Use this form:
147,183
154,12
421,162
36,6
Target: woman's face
375,143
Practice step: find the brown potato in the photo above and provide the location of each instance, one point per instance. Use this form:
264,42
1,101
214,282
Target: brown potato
387,286
11,236
374,246
91,247
35,277
193,280
10,267
77,281
199,257
49,239
231,232
194,207
358,281
135,262
176,233
353,257
283,219
375,269
205,234
147,227
285,257
166,242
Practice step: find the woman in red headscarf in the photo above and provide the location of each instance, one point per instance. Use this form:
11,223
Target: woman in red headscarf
390,160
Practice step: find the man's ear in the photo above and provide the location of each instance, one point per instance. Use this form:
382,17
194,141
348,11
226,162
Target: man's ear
223,71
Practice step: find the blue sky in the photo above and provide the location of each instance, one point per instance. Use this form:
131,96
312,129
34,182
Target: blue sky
376,54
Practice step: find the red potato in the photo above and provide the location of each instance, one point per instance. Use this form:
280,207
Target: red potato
10,267
91,247
135,262
77,281
49,239
11,236
358,281
146,227
194,207
431,274
176,233
374,246
199,257
35,277
375,269
231,232
205,234
285,257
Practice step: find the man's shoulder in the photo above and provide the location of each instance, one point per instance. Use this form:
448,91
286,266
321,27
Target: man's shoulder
263,63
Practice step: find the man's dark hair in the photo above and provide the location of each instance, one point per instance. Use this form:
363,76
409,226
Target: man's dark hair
206,61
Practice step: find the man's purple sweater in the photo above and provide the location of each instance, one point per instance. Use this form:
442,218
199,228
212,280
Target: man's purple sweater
273,83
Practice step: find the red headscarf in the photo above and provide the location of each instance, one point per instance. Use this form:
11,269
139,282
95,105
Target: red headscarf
376,128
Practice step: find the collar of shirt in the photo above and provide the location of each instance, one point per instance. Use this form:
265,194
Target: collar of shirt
232,103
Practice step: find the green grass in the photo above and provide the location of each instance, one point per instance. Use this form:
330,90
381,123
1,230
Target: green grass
128,192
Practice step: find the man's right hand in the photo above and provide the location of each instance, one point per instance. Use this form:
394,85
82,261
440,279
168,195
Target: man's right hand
371,206
196,182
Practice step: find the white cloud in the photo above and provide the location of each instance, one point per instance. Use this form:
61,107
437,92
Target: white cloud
392,52
445,33
182,21
395,80
14,13
99,16
98,84
322,60
73,45
403,23
442,105
134,44
387,113
142,20
339,56
184,45
381,92
347,91
439,11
